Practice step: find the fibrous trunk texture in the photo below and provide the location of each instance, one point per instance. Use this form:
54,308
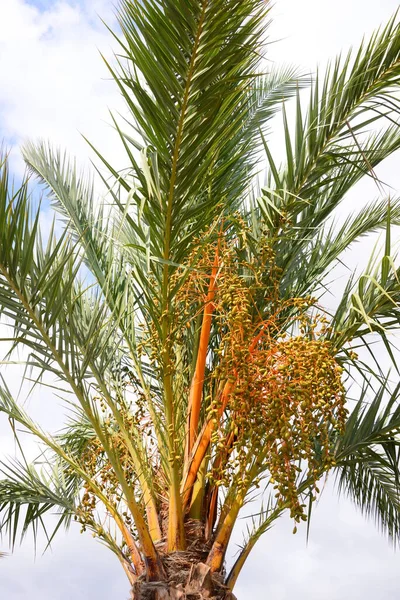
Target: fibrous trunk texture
183,583
187,576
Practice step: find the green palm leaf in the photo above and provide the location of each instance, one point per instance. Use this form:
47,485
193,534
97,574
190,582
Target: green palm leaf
368,467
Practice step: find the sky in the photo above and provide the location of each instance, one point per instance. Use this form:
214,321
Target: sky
54,85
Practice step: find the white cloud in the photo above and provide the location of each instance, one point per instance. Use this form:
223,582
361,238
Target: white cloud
346,557
312,31
53,82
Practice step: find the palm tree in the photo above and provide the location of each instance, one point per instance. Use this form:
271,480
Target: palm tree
183,317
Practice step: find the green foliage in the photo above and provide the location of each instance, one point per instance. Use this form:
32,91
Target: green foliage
120,308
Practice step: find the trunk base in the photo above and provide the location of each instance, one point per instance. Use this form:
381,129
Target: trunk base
199,584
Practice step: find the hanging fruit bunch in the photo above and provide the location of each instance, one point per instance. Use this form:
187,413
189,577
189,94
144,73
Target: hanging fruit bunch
274,389
95,463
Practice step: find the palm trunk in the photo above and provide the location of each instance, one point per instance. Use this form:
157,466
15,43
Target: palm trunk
186,580
186,576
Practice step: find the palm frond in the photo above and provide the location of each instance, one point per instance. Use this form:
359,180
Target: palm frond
369,304
73,197
353,94
310,260
349,127
368,467
196,131
27,494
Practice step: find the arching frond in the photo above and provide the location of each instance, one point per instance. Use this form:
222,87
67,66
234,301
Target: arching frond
368,459
27,494
349,127
369,304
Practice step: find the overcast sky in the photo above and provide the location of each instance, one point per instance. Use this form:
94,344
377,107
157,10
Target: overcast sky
54,85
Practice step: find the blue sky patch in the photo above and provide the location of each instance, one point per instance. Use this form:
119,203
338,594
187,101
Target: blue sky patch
46,4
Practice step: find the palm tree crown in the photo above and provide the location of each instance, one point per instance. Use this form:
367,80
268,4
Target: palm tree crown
185,314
